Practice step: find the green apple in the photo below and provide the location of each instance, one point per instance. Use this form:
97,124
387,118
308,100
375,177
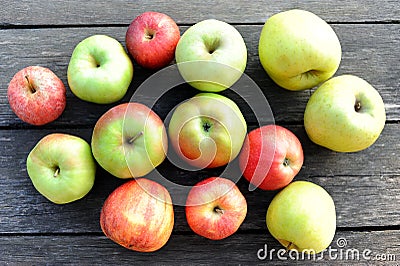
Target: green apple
129,140
61,167
211,55
302,217
99,70
208,130
345,114
298,49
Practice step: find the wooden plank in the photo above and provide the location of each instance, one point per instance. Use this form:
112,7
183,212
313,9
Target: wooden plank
373,56
365,186
378,248
92,12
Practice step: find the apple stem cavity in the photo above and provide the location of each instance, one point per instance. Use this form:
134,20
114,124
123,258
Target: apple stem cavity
149,34
132,140
31,88
212,45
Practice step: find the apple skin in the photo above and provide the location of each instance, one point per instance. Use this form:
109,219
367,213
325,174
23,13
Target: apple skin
138,215
215,208
61,167
151,39
99,71
211,55
332,121
298,49
129,140
302,216
271,157
36,95
207,131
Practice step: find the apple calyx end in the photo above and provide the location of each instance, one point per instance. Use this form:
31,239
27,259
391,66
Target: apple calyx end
132,140
206,126
31,87
310,73
286,162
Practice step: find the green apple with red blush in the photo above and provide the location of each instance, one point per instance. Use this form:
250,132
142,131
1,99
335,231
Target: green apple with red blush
129,140
207,130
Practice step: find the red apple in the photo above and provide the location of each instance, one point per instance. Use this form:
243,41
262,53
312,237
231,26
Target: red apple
215,208
271,157
151,39
138,215
36,95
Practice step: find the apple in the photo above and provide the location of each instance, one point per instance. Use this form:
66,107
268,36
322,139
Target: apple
36,95
207,130
129,140
298,49
138,215
61,167
302,217
345,114
99,71
211,55
215,208
151,39
271,157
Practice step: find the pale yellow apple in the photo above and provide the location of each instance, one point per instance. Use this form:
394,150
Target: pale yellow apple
298,49
345,114
302,216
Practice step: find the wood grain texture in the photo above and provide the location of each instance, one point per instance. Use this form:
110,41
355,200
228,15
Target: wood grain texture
361,248
366,191
369,51
58,12
365,185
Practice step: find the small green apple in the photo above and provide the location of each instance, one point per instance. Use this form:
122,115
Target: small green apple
211,55
99,70
302,216
298,49
345,114
61,167
208,130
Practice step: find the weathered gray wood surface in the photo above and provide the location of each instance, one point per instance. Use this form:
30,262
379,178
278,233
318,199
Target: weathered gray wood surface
365,186
370,51
75,12
183,249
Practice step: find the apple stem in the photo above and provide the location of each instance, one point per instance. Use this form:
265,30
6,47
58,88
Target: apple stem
357,106
31,88
218,210
57,172
132,140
